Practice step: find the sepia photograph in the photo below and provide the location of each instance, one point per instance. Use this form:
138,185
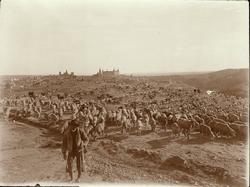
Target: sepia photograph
124,93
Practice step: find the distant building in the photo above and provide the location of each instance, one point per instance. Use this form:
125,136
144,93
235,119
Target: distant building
108,73
66,73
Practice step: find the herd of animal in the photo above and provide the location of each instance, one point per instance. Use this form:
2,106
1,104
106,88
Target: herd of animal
183,111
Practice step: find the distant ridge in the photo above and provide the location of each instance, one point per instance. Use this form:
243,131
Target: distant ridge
227,81
188,72
167,74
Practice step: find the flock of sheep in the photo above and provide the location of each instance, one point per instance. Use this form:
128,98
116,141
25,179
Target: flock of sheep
182,111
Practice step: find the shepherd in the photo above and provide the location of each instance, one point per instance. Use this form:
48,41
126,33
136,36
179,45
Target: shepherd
74,143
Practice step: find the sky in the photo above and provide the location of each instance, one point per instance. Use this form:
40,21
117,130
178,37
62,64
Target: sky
42,37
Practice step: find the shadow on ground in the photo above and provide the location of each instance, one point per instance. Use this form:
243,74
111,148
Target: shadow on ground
159,143
119,138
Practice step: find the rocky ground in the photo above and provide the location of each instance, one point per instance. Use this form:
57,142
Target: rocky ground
31,155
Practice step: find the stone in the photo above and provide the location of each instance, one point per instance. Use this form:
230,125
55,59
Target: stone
132,150
242,180
143,151
124,147
149,152
176,160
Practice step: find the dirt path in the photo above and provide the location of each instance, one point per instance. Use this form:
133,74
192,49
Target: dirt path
31,155
26,158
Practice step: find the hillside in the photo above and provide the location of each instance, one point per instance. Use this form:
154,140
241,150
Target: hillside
228,81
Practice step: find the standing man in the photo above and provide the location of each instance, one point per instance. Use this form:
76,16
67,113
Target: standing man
74,142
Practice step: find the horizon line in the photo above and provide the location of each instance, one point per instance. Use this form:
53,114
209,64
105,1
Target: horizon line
133,74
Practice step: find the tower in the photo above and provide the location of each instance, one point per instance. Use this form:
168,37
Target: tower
100,72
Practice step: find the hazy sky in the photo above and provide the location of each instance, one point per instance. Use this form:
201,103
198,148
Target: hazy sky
47,36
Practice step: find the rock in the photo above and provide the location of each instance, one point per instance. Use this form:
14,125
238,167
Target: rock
213,157
156,157
149,152
143,151
176,160
154,154
242,180
124,147
132,151
239,159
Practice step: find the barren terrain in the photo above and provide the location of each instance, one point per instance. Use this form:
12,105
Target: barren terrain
30,142
31,155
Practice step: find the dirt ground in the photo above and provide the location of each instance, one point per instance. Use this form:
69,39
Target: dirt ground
31,155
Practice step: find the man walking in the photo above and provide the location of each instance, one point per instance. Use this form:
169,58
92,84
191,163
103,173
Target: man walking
74,142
